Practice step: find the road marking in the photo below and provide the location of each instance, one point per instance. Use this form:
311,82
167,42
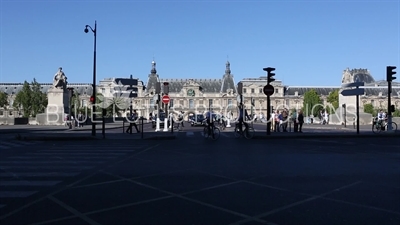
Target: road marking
29,183
39,174
16,194
47,167
10,144
49,162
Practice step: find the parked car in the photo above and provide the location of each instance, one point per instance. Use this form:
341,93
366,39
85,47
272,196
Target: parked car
197,120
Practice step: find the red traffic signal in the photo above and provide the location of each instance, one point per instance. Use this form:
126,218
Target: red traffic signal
91,99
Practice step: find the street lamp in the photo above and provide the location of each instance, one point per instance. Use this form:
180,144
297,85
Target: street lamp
94,76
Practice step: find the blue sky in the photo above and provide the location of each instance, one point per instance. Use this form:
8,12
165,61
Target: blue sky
309,43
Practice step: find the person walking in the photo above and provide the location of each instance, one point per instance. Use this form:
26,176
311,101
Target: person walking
300,120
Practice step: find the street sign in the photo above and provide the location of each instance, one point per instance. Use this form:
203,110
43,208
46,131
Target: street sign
350,92
268,89
355,84
165,99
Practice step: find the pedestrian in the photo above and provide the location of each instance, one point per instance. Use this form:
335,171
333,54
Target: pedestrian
300,120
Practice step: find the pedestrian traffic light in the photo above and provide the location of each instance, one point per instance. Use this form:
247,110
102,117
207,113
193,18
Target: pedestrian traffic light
91,99
389,73
392,109
270,74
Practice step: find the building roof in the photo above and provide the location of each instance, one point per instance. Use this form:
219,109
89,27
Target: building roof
291,90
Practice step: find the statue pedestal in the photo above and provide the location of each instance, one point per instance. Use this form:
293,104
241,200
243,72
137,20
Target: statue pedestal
58,101
58,105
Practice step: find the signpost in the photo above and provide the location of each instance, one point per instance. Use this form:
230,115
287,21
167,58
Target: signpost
165,99
357,92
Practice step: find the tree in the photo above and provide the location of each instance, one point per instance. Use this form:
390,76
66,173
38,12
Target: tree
312,103
369,108
3,99
22,100
38,99
333,98
30,99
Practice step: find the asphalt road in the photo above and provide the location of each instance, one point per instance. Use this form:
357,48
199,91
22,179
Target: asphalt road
200,181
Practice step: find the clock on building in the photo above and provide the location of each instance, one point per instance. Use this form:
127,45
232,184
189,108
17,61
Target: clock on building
190,92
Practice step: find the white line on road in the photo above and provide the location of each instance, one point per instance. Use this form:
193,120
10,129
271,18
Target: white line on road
39,174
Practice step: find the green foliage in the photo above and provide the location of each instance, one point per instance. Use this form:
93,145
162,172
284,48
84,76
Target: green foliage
30,99
312,103
23,98
333,98
38,99
369,108
396,113
3,99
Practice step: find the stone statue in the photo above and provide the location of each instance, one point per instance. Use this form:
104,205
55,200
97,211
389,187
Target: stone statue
60,80
347,77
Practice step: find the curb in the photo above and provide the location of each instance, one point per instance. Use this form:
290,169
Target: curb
306,136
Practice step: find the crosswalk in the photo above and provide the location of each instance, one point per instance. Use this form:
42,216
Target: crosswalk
27,175
8,144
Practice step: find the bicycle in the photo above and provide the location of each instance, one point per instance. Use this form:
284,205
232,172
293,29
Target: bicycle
379,126
247,131
215,132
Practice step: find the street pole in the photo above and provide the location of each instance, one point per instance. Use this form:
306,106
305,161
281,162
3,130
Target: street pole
389,104
94,76
358,112
268,115
130,109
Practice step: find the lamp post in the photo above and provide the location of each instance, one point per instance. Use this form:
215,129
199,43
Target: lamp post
71,93
94,76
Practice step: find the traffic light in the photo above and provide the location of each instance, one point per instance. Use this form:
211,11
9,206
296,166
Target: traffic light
392,109
240,88
91,99
389,73
166,88
270,74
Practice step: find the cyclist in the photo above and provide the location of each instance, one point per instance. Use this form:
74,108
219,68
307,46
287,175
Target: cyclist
209,121
381,117
243,114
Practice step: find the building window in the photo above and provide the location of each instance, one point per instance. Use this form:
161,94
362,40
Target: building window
210,102
201,102
181,103
276,90
151,103
252,90
103,90
191,104
244,90
171,103
260,91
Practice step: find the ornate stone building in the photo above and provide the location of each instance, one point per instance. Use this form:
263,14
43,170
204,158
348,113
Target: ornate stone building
196,95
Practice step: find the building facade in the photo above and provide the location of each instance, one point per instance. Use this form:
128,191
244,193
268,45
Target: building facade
219,94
